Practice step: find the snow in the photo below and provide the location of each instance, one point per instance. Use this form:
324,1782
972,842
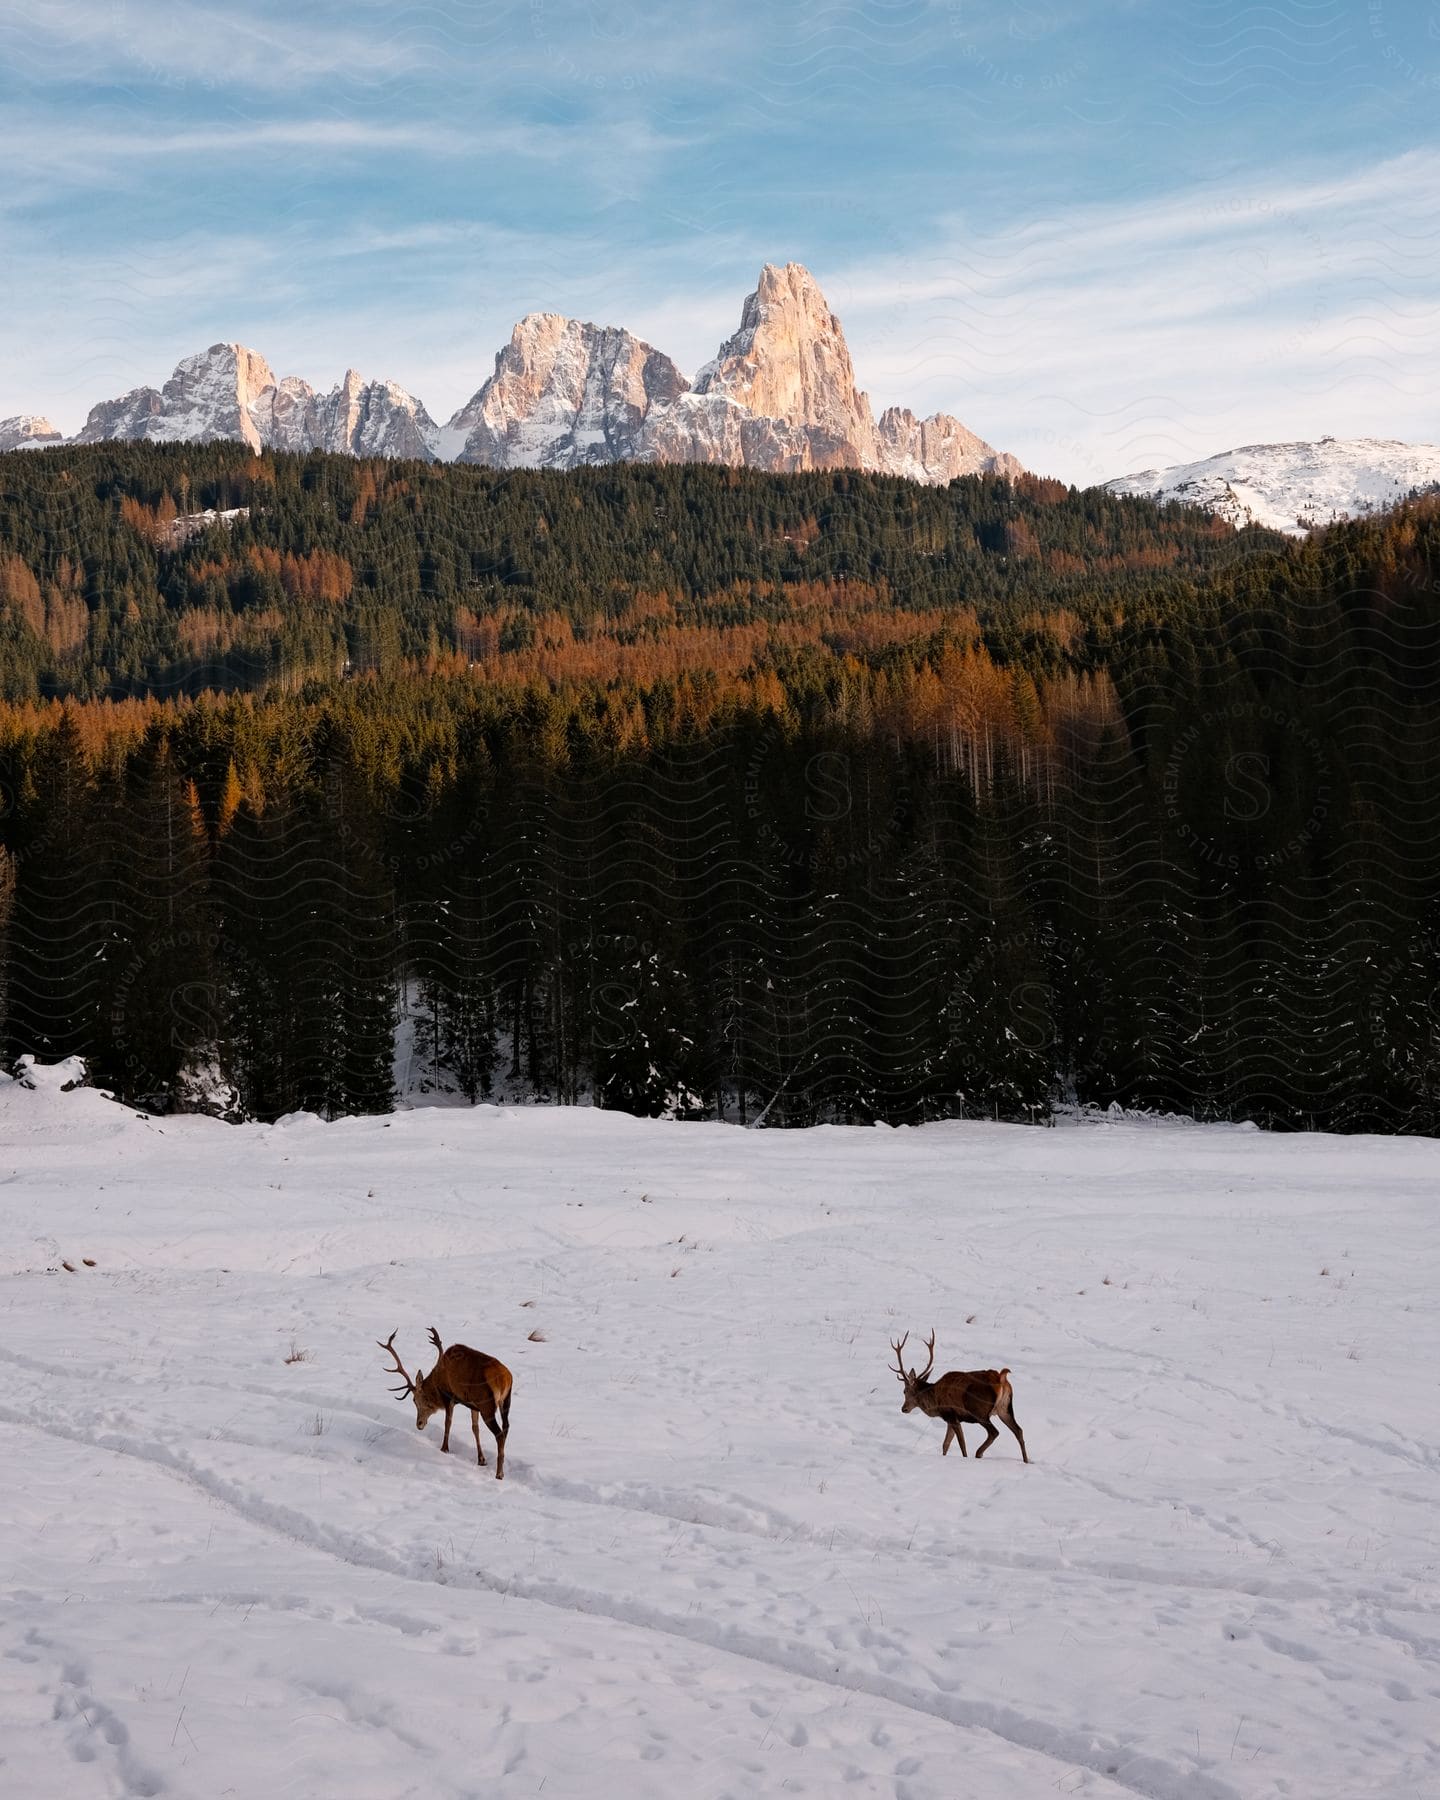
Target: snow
1294,487
27,431
447,441
566,393
187,525
721,1561
203,520
230,392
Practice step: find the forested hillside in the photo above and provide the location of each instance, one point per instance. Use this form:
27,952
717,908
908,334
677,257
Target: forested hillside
334,566
711,791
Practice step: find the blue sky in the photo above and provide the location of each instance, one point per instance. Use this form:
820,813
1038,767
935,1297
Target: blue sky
1107,235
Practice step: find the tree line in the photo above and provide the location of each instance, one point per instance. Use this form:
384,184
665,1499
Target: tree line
110,585
816,798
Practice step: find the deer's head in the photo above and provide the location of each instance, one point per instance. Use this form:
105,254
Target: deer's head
913,1383
416,1389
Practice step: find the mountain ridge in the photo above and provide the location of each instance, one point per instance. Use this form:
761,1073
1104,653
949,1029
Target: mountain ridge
28,431
231,392
1294,487
780,395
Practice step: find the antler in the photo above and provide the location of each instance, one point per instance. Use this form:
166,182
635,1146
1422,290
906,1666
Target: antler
400,1369
435,1340
899,1354
930,1346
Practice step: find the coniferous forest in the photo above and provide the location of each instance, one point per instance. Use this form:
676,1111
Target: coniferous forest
714,793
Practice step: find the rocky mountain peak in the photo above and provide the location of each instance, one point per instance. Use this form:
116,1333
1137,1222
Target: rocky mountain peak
937,449
564,392
780,394
27,431
214,394
789,361
229,391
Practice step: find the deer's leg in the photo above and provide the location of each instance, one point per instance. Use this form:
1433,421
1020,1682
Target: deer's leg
952,1422
498,1432
501,1436
949,1433
990,1436
449,1414
1007,1419
475,1427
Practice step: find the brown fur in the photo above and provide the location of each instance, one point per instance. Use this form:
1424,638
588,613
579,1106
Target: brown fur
963,1397
461,1377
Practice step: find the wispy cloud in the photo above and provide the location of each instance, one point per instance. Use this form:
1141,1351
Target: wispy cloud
1093,342
163,42
1087,227
1122,335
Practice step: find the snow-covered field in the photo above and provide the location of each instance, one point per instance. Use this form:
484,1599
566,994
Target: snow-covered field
721,1562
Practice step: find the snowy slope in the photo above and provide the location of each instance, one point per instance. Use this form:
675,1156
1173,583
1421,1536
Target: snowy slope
27,431
1294,487
721,1562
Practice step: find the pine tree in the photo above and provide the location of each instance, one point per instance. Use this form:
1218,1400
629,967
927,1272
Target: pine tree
62,905
158,1008
7,904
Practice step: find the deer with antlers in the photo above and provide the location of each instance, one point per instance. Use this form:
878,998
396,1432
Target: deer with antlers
959,1398
461,1377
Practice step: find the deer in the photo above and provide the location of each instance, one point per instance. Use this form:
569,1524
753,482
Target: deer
962,1397
461,1377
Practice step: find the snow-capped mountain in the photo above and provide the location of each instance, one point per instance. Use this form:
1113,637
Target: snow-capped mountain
563,393
228,391
780,394
787,371
357,418
1294,487
27,431
937,449
213,394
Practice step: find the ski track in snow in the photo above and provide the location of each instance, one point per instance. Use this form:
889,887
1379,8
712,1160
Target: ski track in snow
792,1659
722,1563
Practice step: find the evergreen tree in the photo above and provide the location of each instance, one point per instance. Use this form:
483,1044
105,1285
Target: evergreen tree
157,1015
62,904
